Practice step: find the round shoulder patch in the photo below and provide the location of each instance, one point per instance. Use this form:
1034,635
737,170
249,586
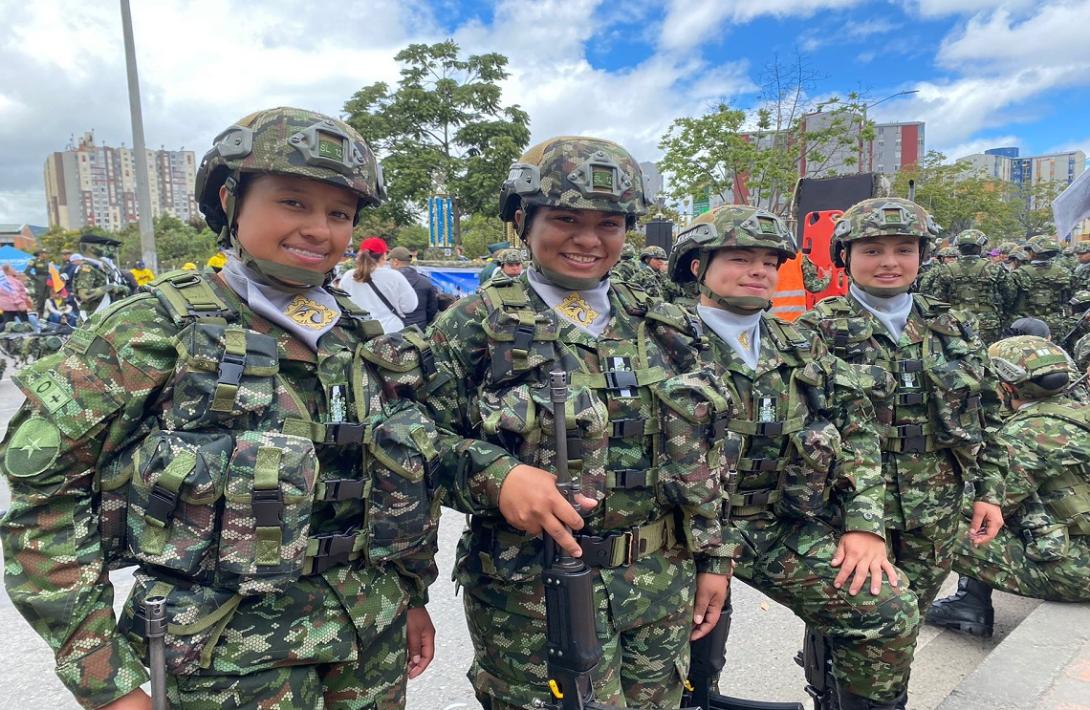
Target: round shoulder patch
33,448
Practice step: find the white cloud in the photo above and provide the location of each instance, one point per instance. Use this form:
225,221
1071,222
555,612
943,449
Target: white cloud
1056,35
688,24
942,8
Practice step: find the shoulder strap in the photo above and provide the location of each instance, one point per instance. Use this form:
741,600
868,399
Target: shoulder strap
187,295
355,317
382,297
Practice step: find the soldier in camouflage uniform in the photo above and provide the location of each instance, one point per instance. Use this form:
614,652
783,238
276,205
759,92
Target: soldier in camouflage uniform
976,286
807,524
628,265
98,281
926,372
812,279
660,568
651,276
1081,273
227,435
1044,286
1044,551
1017,258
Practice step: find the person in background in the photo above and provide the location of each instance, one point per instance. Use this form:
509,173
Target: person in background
427,295
14,299
217,261
141,274
378,289
37,274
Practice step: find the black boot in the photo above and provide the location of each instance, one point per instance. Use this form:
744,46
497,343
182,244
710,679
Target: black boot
851,701
968,610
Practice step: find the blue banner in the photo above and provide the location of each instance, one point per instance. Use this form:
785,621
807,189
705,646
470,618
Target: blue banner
456,282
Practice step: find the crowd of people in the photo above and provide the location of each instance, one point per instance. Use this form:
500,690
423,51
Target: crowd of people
272,452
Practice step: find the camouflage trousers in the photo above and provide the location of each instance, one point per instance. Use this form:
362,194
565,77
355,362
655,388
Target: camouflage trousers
926,555
642,666
1002,564
872,637
295,649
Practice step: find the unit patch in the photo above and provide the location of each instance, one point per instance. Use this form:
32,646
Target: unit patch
33,448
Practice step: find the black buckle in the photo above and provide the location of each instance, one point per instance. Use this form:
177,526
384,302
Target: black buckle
769,428
268,506
343,489
620,380
757,497
720,425
161,504
761,465
914,445
598,549
427,364
625,428
972,401
344,433
524,337
333,550
908,431
628,478
231,367
908,398
910,366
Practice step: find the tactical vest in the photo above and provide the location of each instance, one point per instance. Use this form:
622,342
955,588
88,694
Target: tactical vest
234,484
631,424
926,395
972,288
1067,496
789,450
1045,288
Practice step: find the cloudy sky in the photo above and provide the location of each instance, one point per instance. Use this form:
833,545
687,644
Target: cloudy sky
988,72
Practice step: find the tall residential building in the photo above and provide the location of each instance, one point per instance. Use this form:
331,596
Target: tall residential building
91,185
894,146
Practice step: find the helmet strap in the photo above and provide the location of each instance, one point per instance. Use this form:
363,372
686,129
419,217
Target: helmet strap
569,282
286,278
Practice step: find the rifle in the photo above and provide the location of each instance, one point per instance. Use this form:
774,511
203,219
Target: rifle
707,659
155,628
1075,329
572,645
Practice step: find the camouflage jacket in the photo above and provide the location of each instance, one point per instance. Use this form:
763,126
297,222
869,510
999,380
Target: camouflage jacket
651,281
812,446
976,286
1049,485
90,284
812,281
232,464
1080,278
1043,291
625,269
499,347
936,401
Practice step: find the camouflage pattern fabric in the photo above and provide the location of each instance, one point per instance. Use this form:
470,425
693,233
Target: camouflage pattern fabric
1081,353
575,173
650,280
979,288
132,413
1080,278
625,269
880,216
1043,289
938,407
90,284
1043,551
928,276
812,281
494,393
37,272
824,468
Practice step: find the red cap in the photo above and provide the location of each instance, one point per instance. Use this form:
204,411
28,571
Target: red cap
375,245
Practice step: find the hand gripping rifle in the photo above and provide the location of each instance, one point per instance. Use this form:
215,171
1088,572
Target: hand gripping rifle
571,642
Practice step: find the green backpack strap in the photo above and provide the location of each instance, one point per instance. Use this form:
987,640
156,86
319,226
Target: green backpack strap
187,295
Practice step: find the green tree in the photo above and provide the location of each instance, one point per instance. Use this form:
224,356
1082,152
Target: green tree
176,242
412,236
480,230
443,130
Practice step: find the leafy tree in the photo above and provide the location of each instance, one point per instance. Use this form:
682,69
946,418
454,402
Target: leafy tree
412,236
443,130
176,243
1033,208
478,231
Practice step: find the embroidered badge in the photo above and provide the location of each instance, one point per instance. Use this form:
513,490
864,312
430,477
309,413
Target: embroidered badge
309,313
576,309
33,448
743,339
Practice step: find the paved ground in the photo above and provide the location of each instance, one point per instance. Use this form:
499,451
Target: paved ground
765,637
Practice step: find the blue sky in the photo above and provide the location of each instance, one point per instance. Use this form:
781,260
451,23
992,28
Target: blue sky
987,72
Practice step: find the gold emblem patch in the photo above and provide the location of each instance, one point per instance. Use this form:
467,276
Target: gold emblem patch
309,313
743,340
576,309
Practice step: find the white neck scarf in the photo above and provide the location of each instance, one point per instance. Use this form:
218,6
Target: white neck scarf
892,311
588,310
307,315
741,332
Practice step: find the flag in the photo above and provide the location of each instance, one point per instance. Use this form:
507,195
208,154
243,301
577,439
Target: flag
1072,206
55,278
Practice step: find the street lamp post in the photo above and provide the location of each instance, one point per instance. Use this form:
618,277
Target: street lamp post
866,107
143,187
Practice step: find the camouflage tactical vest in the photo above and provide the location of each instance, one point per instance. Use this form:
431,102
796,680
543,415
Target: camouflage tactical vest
1046,290
926,394
972,288
632,424
1067,496
790,450
237,484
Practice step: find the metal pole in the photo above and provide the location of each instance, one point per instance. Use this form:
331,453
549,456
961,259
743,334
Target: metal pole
143,187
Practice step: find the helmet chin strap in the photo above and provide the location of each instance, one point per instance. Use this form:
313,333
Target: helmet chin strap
742,305
571,283
881,291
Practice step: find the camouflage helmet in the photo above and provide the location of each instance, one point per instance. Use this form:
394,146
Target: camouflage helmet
971,238
98,245
286,141
1035,367
648,253
1042,245
1080,301
948,253
509,256
576,173
1018,254
628,251
882,216
1007,247
728,226
1082,247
